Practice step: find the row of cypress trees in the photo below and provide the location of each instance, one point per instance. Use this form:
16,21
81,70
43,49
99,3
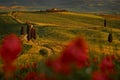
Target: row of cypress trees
110,37
30,31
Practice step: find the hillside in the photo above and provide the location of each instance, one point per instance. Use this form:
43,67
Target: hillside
55,30
68,19
8,25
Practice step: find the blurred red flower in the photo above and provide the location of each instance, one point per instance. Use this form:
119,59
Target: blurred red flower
10,49
95,60
76,52
82,61
58,67
42,76
32,76
34,65
9,68
27,66
99,76
107,64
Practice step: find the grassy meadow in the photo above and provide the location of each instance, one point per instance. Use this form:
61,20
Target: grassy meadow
63,26
8,25
55,30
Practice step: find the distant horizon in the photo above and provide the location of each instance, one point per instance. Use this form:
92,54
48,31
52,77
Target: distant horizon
99,6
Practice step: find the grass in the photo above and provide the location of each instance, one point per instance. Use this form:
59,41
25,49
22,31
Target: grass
53,39
8,25
56,18
68,26
68,19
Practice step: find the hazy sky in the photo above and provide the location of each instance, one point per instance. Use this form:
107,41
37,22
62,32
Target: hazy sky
67,4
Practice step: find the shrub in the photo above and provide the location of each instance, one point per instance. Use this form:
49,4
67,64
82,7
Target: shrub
43,52
110,38
22,30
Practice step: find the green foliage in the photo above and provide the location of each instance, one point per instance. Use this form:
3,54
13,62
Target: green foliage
8,25
43,52
110,38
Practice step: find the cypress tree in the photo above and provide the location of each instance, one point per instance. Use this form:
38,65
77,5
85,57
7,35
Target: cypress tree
110,38
34,34
22,30
28,32
28,37
105,23
28,28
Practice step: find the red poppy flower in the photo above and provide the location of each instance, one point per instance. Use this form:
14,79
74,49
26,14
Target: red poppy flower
54,64
99,76
75,52
34,65
82,61
107,64
58,67
32,76
8,70
10,49
43,77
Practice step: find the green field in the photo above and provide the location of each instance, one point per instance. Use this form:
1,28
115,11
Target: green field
67,19
55,30
8,25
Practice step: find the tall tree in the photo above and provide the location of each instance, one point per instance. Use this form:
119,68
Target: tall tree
110,38
22,30
33,33
28,31
105,22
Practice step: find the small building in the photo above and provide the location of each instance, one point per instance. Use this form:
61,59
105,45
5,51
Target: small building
55,10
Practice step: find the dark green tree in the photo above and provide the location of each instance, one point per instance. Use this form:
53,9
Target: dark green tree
22,30
28,31
34,34
105,23
110,38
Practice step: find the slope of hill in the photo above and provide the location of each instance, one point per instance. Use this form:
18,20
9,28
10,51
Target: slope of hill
61,28
8,25
67,19
67,25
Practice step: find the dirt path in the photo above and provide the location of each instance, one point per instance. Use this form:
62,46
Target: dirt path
36,23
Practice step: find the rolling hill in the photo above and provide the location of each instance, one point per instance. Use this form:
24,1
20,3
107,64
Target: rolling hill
55,30
8,25
59,28
68,19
